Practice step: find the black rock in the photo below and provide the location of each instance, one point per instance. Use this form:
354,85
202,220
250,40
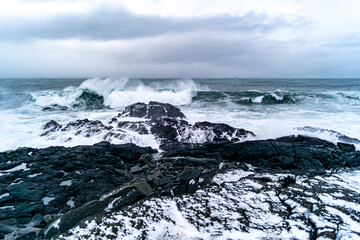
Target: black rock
121,196
56,175
51,126
223,132
346,147
55,107
296,153
153,110
189,173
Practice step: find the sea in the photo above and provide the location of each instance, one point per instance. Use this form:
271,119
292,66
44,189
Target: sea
270,107
324,205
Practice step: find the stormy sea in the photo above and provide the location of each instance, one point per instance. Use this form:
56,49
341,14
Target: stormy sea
119,158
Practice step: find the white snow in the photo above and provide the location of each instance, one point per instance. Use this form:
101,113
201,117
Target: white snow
46,200
239,206
34,175
17,168
71,203
4,195
66,183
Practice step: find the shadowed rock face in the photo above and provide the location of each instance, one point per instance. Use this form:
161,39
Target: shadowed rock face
287,153
85,181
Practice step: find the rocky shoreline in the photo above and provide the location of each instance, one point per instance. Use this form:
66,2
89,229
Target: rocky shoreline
47,193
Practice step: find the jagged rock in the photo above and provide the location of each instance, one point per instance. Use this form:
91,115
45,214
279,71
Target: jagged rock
59,180
346,147
140,127
163,121
156,174
86,125
220,130
153,110
135,169
301,153
189,173
34,180
121,196
55,107
50,127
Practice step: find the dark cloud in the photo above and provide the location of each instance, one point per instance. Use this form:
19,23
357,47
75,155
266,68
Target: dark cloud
108,24
114,42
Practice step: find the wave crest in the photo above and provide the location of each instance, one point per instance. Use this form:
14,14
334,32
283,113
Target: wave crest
97,93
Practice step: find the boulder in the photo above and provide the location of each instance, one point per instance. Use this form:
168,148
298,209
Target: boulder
55,107
153,110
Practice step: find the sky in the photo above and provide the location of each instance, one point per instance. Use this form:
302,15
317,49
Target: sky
181,39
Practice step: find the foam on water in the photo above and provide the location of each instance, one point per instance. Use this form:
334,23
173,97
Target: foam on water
119,93
269,108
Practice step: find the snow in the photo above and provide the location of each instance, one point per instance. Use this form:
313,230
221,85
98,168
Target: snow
4,195
46,200
66,183
240,206
71,203
17,168
34,175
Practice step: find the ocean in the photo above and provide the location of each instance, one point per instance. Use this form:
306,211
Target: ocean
295,187
271,108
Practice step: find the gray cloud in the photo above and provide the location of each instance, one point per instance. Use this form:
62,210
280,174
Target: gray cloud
107,24
200,54
114,42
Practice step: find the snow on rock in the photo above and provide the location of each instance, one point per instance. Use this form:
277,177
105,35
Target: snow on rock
241,205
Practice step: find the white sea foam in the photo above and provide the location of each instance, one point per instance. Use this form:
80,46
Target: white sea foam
336,110
120,92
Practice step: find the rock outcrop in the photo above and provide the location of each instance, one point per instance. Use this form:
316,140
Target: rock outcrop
164,121
57,188
47,192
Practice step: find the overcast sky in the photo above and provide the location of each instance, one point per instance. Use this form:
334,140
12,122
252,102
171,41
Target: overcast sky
187,38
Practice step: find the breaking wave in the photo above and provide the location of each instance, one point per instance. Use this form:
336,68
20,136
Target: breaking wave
117,93
275,97
99,93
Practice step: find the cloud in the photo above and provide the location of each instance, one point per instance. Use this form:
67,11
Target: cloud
110,24
113,41
201,54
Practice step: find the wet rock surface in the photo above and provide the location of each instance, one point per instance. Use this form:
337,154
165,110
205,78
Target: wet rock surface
153,110
55,107
241,204
161,120
64,187
214,186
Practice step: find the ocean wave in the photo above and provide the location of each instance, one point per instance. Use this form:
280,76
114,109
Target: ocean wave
276,97
98,93
13,100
